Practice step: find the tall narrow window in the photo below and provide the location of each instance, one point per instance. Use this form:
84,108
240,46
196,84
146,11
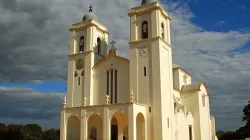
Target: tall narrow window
168,122
81,44
162,31
107,82
145,71
98,45
144,30
111,87
79,80
190,132
115,86
203,100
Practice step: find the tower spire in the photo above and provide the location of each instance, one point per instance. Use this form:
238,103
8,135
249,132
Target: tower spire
65,101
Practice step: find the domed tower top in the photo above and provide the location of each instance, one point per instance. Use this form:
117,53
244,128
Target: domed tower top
147,1
90,15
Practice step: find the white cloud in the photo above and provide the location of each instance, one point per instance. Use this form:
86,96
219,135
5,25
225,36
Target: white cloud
39,45
26,105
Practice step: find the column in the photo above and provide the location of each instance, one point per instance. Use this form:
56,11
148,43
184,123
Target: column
132,123
133,29
168,32
111,93
106,124
63,126
154,27
84,125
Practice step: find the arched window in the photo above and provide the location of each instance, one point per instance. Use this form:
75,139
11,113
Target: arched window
81,44
98,45
162,31
144,30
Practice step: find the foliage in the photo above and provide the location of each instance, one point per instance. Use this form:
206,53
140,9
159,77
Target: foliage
27,132
51,134
242,132
246,113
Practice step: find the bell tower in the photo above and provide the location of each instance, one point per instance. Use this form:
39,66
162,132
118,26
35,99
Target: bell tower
151,78
88,46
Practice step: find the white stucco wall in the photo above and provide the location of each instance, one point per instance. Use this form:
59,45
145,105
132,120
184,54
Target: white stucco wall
204,115
179,78
190,100
100,80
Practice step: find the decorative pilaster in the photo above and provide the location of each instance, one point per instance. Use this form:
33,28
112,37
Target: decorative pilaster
62,123
132,123
106,124
84,126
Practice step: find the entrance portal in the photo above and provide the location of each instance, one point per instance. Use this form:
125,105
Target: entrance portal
114,132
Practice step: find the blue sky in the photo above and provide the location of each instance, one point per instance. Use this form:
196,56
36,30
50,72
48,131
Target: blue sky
211,40
43,86
221,15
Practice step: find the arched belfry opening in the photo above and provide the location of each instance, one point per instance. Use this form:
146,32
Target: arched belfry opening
144,28
81,44
98,46
162,30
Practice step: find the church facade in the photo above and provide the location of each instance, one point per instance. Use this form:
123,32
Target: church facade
144,98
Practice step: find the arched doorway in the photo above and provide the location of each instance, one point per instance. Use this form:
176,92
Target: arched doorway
114,129
119,127
73,128
95,127
140,127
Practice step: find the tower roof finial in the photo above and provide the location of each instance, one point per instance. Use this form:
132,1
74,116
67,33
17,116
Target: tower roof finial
90,8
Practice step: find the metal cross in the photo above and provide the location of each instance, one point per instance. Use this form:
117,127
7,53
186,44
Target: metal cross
90,8
113,43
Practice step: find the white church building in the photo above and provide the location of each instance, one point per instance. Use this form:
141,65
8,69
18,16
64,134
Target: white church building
145,97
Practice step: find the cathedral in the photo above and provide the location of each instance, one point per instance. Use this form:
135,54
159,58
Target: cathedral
145,97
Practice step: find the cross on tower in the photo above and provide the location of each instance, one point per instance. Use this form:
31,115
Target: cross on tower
113,43
90,8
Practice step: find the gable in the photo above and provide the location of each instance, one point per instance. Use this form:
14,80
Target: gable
112,58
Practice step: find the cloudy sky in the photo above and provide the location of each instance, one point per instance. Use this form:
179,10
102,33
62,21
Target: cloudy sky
211,40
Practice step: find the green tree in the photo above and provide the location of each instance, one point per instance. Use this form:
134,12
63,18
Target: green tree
3,131
15,132
32,132
246,113
51,134
219,134
242,132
